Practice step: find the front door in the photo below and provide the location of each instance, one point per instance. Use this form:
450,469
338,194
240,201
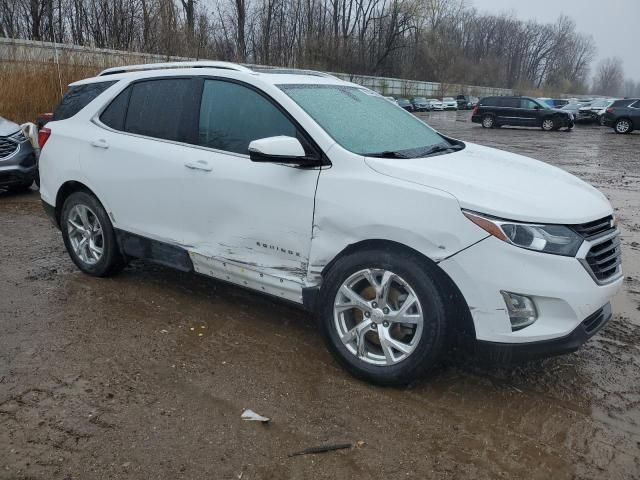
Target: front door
249,223
531,112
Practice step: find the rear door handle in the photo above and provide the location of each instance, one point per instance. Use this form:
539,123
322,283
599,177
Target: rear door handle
199,165
101,143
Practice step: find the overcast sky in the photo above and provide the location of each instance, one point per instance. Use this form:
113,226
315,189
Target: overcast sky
614,24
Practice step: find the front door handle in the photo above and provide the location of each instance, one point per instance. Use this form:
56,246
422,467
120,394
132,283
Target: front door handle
199,165
100,143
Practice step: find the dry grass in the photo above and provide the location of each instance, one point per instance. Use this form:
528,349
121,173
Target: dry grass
30,88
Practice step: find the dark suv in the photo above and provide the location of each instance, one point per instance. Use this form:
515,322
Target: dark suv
623,115
520,111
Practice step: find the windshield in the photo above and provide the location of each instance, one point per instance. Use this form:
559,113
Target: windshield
448,99
420,99
364,122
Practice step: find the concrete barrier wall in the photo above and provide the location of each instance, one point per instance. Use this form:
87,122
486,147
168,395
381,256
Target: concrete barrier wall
13,50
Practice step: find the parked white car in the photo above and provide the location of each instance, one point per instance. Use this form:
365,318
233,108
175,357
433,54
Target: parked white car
449,103
323,193
435,104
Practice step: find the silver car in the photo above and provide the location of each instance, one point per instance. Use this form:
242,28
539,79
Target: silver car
18,160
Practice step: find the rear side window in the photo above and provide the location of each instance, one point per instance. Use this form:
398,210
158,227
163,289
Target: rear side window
114,115
160,108
622,103
489,101
232,115
78,97
636,105
510,102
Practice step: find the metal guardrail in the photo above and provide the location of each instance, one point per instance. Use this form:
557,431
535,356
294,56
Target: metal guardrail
102,58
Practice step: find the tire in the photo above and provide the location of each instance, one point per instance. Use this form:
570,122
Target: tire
88,215
488,121
601,120
422,341
623,126
549,124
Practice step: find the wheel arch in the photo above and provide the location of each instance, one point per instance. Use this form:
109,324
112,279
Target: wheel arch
65,191
456,305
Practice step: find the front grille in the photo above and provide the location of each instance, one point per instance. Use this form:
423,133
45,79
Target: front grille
7,147
604,259
591,229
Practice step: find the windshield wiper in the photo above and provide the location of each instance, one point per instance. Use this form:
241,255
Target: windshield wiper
440,148
386,154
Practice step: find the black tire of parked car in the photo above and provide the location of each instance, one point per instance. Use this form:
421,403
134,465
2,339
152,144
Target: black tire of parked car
488,121
423,279
112,260
623,126
601,120
549,124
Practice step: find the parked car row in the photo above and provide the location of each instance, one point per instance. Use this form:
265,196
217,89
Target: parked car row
423,104
622,115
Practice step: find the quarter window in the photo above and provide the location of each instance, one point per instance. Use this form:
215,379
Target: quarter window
232,115
78,97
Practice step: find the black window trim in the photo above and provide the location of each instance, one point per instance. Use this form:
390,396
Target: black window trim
320,161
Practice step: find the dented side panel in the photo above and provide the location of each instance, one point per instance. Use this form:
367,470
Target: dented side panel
355,203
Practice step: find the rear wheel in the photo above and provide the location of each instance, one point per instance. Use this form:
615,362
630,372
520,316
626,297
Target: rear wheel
488,121
382,318
601,120
622,126
548,124
89,237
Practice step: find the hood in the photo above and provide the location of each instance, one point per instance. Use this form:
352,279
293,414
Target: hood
8,128
502,184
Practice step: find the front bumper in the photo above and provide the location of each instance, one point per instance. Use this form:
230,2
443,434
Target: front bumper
563,290
521,352
20,168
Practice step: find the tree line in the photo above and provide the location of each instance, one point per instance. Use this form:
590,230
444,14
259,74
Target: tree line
436,40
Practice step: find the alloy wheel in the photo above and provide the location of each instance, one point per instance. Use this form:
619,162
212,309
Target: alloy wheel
378,317
623,126
547,124
85,234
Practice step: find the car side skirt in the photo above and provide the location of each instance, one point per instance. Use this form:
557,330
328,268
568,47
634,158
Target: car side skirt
159,252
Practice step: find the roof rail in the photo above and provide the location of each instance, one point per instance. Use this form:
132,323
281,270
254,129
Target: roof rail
299,71
170,65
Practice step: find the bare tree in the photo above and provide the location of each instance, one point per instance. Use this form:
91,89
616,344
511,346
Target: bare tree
609,77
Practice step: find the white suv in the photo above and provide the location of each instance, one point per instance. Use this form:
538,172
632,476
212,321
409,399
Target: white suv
323,193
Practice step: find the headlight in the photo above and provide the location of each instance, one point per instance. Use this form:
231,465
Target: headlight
556,239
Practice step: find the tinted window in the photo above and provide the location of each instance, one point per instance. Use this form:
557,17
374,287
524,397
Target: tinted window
77,98
490,101
114,115
622,103
636,105
159,108
510,102
231,116
528,104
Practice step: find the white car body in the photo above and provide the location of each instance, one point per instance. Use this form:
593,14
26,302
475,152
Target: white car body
274,228
435,104
449,103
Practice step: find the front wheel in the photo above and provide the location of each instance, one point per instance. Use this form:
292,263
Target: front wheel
548,124
89,236
383,316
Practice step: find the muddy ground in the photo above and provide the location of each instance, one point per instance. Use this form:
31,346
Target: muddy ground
110,378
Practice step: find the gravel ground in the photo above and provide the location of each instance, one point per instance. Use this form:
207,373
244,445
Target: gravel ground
110,378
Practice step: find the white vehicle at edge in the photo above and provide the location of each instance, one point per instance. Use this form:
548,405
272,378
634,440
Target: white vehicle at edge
323,193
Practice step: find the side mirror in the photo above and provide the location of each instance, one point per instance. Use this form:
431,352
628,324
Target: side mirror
279,149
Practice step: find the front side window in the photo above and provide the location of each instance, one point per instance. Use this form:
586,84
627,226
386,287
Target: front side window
232,116
78,97
160,108
529,104
362,121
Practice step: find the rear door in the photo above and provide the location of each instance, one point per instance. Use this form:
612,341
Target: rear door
138,149
507,111
248,223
